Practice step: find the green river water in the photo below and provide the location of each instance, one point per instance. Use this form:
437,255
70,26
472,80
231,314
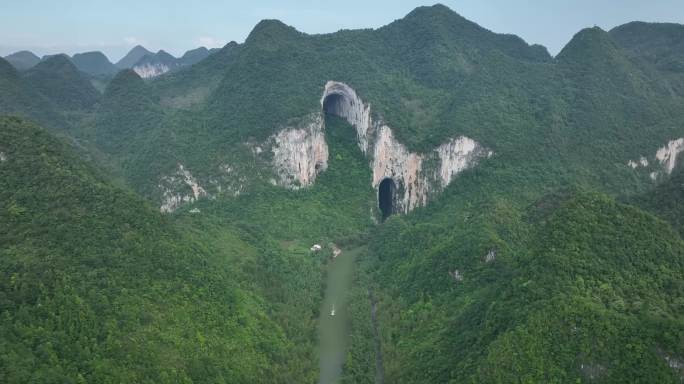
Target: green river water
334,329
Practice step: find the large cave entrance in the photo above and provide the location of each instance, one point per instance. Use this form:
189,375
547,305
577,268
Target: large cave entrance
386,192
332,105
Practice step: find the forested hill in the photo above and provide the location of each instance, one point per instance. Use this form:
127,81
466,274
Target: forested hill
430,76
60,81
97,286
555,256
18,97
666,200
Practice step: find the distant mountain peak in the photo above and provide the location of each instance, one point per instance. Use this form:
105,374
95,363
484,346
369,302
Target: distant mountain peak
587,43
438,13
133,56
23,60
59,60
271,24
24,52
156,64
91,53
436,9
61,81
93,63
270,29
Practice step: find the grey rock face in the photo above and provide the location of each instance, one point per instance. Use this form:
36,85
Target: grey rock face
300,154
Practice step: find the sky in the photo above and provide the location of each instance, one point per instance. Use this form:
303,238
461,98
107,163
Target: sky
114,27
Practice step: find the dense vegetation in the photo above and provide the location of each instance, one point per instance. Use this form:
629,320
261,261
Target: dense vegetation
577,287
98,287
19,98
552,261
666,200
93,63
60,81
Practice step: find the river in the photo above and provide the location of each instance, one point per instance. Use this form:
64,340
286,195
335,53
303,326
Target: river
333,329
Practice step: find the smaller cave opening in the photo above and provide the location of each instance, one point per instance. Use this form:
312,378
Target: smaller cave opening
386,192
332,105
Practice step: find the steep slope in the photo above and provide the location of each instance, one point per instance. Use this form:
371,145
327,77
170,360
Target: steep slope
126,110
93,63
666,200
60,81
23,60
19,98
574,288
194,84
98,280
133,56
661,44
614,108
657,46
129,127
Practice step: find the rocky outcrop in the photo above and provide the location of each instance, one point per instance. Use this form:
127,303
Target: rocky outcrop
665,159
456,275
414,181
667,155
457,155
392,160
182,187
300,154
148,70
179,188
643,162
490,256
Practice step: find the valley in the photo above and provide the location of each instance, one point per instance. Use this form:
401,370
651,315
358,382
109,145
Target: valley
503,214
333,324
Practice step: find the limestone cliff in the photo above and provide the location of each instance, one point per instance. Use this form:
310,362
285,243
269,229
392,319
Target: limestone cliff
300,153
415,182
665,159
667,155
179,188
148,70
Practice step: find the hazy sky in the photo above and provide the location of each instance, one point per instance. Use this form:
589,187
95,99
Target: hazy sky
114,26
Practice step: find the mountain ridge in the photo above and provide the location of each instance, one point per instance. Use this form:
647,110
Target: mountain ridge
516,216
